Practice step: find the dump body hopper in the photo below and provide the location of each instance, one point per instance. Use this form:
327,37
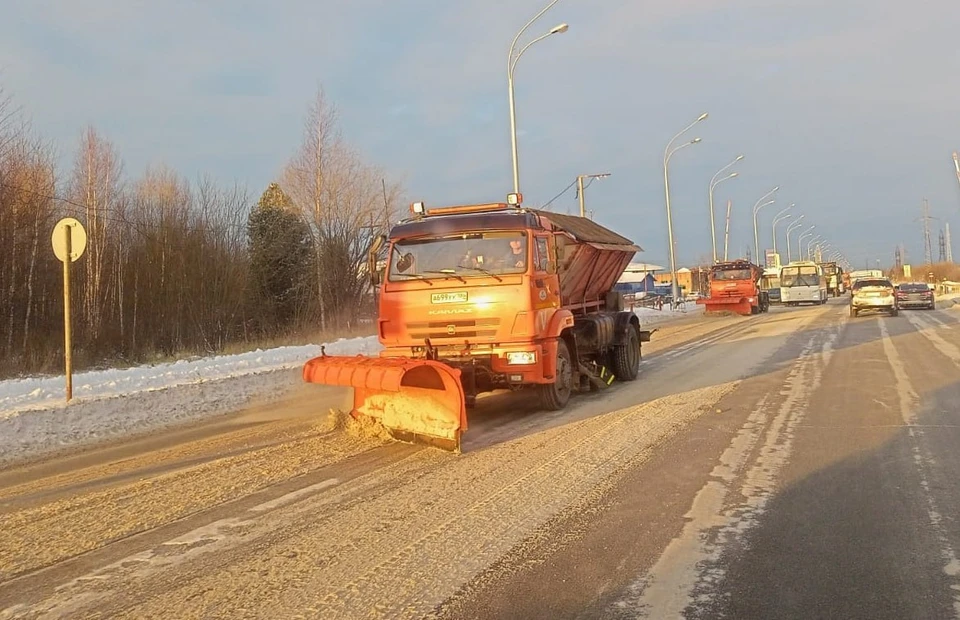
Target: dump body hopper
591,259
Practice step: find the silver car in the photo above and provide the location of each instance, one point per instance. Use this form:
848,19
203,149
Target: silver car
873,294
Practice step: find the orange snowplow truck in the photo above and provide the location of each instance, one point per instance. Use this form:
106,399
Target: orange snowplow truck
734,286
478,298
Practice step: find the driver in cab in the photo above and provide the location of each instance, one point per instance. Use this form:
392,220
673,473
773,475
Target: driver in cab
514,256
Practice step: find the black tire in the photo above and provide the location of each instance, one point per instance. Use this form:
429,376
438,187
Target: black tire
894,312
470,401
626,357
554,396
853,312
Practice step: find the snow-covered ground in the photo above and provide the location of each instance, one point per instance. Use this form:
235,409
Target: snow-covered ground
35,419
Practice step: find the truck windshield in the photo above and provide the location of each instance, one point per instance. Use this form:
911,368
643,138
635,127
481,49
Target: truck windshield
462,255
732,274
799,276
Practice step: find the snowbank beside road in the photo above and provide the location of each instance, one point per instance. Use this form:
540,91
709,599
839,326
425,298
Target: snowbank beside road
652,316
34,418
48,392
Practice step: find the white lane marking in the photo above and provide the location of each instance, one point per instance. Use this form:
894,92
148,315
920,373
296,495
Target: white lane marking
690,560
909,403
950,350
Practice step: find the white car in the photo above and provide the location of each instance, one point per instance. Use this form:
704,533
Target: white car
873,294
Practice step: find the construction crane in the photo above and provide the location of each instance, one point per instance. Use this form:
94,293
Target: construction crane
946,238
956,164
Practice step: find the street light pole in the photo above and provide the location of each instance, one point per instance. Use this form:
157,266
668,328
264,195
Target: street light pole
782,215
810,243
800,237
790,228
511,66
756,207
713,183
580,187
667,154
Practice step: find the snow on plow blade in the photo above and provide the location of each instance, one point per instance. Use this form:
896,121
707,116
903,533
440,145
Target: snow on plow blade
740,305
420,401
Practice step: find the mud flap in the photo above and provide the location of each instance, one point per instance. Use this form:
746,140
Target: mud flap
419,401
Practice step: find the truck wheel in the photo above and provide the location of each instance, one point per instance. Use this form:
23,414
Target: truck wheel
894,312
626,357
853,312
554,396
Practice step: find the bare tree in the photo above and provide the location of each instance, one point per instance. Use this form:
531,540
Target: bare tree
310,176
96,186
345,202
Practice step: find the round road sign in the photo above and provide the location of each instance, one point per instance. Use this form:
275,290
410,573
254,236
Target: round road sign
78,239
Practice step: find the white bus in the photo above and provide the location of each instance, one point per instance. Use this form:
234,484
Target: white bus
802,282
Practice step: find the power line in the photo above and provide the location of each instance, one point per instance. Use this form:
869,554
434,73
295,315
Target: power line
567,189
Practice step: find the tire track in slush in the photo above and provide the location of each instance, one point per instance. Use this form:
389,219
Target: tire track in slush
453,520
924,460
685,574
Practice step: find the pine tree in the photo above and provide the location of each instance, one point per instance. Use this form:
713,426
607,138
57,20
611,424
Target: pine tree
280,260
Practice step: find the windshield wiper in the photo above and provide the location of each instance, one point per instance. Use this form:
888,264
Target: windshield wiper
485,272
447,272
417,276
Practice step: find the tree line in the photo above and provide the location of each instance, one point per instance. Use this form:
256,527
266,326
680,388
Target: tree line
178,267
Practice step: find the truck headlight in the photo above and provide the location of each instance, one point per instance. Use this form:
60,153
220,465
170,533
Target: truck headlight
521,357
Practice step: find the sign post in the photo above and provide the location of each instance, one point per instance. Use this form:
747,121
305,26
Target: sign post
69,241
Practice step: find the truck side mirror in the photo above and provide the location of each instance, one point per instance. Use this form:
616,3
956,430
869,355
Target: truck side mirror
372,254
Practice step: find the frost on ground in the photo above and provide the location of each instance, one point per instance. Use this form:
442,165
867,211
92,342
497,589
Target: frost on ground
108,403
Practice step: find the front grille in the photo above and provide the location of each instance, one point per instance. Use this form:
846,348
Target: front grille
462,329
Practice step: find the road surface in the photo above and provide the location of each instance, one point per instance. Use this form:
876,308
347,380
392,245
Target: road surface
791,465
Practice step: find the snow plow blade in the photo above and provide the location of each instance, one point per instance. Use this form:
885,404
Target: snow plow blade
738,305
417,401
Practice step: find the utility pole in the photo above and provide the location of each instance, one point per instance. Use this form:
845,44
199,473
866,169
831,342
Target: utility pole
726,233
942,247
581,187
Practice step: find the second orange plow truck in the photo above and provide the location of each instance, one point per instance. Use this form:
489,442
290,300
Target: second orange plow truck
735,286
477,298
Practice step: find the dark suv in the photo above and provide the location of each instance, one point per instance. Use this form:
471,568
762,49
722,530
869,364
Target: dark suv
915,295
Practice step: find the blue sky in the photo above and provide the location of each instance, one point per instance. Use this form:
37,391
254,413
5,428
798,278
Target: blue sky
849,106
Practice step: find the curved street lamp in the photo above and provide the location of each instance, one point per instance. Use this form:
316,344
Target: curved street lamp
800,237
816,239
756,208
790,228
667,154
782,215
512,60
713,183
